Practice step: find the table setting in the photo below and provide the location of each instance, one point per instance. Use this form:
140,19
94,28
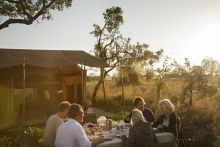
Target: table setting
112,131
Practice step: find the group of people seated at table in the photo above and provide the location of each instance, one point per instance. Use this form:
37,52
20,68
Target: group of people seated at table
63,132
144,125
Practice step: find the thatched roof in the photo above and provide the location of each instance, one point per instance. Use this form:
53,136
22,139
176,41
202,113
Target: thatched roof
47,58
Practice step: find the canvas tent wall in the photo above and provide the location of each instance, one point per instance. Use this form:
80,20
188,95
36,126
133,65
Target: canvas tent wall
53,61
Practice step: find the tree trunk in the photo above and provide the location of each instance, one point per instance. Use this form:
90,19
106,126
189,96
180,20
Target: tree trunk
103,87
190,97
102,76
96,90
100,82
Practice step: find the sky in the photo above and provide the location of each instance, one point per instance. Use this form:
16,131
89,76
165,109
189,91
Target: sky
183,28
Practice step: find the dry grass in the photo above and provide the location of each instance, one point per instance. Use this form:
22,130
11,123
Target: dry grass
204,114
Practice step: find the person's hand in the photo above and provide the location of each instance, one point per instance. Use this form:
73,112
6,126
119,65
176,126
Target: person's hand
98,140
160,127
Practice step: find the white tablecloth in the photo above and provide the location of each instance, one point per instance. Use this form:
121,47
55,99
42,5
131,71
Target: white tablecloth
165,137
115,142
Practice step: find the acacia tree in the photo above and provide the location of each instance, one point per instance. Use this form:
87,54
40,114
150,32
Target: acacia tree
195,81
113,48
28,11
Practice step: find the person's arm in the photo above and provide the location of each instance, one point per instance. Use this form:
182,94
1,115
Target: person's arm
97,141
158,121
81,138
172,124
151,116
127,119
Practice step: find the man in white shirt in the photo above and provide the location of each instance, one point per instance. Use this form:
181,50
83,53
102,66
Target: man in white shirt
71,133
53,122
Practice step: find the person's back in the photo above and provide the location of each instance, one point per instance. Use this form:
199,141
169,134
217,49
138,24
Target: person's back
53,122
140,134
141,131
71,133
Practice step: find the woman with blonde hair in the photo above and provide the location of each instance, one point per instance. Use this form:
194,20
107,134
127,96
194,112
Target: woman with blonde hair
168,121
141,131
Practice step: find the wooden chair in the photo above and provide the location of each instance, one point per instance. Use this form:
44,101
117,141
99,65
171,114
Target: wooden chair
90,117
157,144
186,137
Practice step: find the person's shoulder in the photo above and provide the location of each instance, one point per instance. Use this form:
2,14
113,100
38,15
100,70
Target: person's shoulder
73,123
52,117
55,117
147,109
142,125
174,114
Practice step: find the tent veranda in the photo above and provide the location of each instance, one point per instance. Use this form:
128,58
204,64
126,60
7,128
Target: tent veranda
49,59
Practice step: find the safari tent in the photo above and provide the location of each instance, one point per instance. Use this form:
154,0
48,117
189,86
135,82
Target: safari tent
32,80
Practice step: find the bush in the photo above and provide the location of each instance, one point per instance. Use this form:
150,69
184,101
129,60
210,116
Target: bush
15,136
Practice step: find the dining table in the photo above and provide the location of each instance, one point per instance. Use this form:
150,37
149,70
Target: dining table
118,137
115,142
164,137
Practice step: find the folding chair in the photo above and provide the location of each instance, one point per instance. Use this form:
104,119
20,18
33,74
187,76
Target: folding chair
90,117
186,137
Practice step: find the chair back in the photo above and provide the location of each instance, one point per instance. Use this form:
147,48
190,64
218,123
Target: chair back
90,117
186,137
188,133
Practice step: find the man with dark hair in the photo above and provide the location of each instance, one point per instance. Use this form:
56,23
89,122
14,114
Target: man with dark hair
53,122
71,133
139,104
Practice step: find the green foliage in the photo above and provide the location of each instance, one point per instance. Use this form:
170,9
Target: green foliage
210,66
196,81
128,75
15,136
160,74
25,12
115,105
149,74
218,81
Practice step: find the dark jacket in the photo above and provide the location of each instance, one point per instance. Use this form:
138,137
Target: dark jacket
148,114
174,123
140,134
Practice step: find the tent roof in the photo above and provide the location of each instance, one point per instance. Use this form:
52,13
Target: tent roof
47,58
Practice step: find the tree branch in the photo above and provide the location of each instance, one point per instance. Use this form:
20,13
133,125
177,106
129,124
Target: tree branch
12,1
29,16
10,21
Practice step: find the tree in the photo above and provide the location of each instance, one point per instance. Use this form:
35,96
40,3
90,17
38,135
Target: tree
210,66
160,74
113,48
28,11
196,81
128,74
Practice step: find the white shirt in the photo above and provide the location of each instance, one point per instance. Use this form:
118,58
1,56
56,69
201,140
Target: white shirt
71,134
166,122
53,122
